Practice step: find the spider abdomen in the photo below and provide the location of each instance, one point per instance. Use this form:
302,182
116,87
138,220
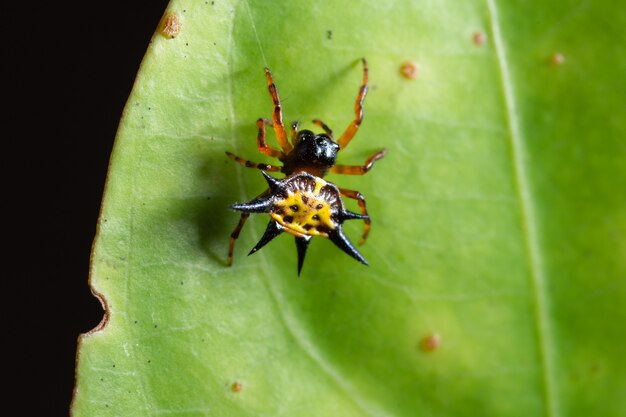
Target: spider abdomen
309,208
304,206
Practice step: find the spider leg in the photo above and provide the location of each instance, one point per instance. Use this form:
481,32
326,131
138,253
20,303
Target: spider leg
361,200
234,235
294,131
250,164
242,220
277,115
324,126
264,148
359,169
349,133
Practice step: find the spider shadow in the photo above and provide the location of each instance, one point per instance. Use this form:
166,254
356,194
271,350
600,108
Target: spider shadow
214,219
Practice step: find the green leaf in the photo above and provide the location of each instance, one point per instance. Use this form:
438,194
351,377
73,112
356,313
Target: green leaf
498,217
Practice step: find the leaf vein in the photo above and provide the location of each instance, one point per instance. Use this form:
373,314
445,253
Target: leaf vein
528,220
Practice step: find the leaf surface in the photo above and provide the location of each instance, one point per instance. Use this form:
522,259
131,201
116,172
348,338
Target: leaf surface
498,217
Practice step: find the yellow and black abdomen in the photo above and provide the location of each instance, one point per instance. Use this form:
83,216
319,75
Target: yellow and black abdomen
309,207
305,206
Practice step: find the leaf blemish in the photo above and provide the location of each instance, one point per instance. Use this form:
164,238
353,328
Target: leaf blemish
170,25
236,386
557,59
431,342
409,70
479,38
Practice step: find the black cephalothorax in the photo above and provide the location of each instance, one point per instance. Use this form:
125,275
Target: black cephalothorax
303,204
311,153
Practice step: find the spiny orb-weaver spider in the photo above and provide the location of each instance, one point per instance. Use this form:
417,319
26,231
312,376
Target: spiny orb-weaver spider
302,203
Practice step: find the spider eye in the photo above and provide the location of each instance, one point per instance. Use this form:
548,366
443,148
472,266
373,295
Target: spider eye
305,135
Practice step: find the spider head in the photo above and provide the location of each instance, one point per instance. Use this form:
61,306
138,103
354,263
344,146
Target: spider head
312,149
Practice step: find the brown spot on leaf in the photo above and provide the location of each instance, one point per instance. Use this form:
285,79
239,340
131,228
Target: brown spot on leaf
557,59
409,70
236,386
479,38
431,342
170,25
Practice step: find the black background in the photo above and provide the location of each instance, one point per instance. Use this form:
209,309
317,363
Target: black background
67,70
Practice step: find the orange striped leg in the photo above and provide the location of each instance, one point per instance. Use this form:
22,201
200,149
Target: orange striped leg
359,169
361,200
250,164
347,136
277,115
264,148
324,126
234,235
294,131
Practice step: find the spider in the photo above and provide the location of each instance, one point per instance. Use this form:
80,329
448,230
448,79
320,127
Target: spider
303,204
